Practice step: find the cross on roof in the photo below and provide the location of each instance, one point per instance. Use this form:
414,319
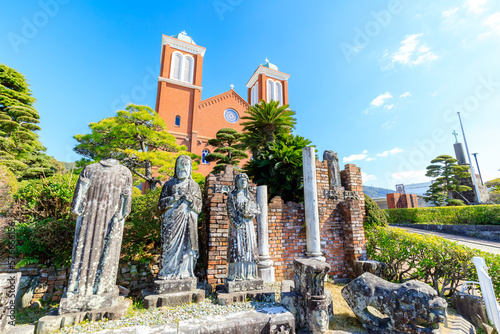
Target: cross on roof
231,85
267,60
184,32
455,134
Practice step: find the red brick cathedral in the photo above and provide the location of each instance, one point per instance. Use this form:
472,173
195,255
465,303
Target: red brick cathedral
194,121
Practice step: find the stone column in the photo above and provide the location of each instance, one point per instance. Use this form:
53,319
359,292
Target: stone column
311,205
266,269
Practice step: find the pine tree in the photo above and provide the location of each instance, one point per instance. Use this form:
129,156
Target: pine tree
138,138
228,150
446,171
20,146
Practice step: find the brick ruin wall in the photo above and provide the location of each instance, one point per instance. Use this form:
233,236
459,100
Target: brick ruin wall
401,201
341,225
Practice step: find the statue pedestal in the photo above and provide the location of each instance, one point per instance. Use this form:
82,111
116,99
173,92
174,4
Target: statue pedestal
173,292
72,303
51,323
245,285
241,291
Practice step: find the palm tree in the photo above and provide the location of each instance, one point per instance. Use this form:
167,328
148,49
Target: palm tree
265,122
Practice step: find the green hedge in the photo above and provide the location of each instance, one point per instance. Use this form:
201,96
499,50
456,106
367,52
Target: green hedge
472,214
437,261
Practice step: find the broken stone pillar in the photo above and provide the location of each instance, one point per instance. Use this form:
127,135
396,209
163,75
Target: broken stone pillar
8,289
311,205
309,303
266,268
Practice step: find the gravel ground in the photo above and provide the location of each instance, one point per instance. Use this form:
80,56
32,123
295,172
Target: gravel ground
161,316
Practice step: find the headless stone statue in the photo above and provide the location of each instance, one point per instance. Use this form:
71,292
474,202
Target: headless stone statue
180,204
102,201
242,243
333,168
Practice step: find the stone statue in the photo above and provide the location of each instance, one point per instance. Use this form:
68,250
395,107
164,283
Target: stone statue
412,307
180,204
242,252
333,168
102,201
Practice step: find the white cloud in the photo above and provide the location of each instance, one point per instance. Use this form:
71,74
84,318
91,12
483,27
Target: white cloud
389,106
394,151
492,22
412,176
355,157
412,52
406,94
475,6
370,159
367,177
380,100
449,12
388,124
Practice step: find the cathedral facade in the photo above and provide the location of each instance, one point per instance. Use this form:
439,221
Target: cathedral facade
194,121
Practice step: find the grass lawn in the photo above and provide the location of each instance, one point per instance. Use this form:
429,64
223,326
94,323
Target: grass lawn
343,318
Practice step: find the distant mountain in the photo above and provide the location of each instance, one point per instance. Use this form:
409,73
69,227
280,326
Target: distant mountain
375,192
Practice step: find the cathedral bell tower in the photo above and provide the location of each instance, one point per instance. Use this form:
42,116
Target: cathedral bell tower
268,83
179,85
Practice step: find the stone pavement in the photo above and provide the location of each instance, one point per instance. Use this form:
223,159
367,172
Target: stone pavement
484,245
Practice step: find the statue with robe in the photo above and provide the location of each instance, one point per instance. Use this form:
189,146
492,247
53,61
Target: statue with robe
180,205
242,252
102,200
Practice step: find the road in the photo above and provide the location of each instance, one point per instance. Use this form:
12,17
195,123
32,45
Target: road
484,245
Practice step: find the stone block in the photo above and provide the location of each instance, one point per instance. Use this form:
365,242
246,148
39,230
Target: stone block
72,303
174,285
52,323
29,329
369,266
472,308
173,299
246,285
8,288
267,274
228,298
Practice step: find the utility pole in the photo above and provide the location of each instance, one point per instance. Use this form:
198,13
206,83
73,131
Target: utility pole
470,161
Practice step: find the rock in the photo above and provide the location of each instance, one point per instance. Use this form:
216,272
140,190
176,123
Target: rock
390,308
472,308
123,291
374,267
36,304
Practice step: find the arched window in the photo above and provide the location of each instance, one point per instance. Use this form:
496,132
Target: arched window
187,71
278,92
270,90
175,68
203,155
177,120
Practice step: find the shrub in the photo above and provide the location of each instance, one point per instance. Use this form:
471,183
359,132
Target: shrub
437,261
143,227
374,215
8,187
48,197
472,214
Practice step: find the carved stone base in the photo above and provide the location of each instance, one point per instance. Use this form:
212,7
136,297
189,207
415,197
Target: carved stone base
228,298
174,285
267,274
29,329
173,299
246,285
51,323
72,303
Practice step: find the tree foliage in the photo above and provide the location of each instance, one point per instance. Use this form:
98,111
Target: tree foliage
279,166
20,147
495,191
265,121
446,171
374,215
8,187
228,151
138,138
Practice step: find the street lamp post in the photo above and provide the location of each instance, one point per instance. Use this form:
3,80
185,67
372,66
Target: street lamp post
470,161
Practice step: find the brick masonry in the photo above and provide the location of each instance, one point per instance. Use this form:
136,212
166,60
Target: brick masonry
401,201
341,224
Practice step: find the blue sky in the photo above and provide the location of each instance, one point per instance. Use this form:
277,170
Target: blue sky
379,82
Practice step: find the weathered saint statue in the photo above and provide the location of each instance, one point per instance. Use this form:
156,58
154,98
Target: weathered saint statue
242,252
102,201
180,204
